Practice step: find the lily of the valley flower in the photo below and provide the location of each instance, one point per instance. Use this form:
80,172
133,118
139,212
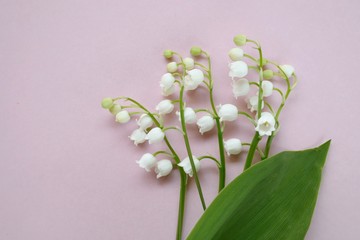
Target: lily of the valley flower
186,165
172,67
240,87
147,162
165,107
232,146
228,112
252,103
189,63
167,84
189,115
238,69
267,88
287,69
163,168
145,121
123,116
193,79
266,124
138,136
205,124
155,135
236,54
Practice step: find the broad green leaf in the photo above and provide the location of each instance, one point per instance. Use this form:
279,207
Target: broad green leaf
273,199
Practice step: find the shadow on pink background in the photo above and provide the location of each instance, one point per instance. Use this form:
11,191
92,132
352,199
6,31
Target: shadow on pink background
67,171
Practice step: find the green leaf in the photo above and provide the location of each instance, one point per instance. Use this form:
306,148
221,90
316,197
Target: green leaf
273,199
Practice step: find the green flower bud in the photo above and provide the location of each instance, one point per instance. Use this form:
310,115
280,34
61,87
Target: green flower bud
268,74
168,53
107,103
115,109
195,51
240,40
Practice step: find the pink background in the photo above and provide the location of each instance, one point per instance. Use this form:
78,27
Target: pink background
67,171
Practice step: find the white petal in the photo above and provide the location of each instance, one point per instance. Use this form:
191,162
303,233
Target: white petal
240,87
287,69
238,69
267,88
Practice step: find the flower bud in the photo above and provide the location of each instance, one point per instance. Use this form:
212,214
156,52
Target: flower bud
238,69
236,54
186,165
232,146
195,51
138,136
267,88
172,67
107,103
164,107
167,84
115,109
145,121
266,124
193,79
228,112
189,63
240,40
205,124
287,69
189,115
240,87
163,168
123,116
168,53
155,135
268,74
147,161
252,103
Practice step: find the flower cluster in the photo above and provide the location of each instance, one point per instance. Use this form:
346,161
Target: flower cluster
188,74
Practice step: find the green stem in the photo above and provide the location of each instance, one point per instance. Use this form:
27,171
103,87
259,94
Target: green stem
222,168
188,148
256,138
182,196
253,146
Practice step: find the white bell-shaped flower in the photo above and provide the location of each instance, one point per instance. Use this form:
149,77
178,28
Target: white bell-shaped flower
205,124
287,69
186,165
267,88
163,168
167,84
228,112
172,67
193,79
189,115
236,54
155,135
147,162
165,107
189,63
232,146
123,116
240,87
266,124
238,69
145,121
138,136
252,103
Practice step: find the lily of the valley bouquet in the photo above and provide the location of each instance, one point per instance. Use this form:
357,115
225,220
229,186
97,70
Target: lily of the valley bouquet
274,197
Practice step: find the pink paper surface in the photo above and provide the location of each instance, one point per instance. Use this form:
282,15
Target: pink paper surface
67,171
